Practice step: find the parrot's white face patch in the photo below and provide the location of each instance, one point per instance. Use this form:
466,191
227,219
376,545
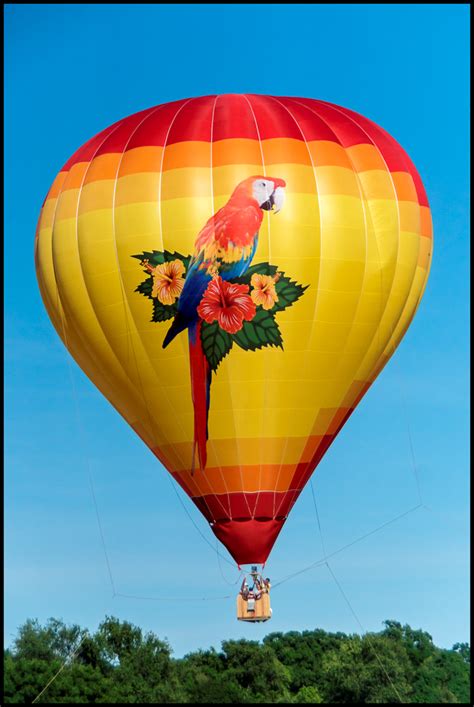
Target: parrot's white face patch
278,199
267,196
262,190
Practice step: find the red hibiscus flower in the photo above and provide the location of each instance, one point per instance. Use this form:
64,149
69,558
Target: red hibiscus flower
229,304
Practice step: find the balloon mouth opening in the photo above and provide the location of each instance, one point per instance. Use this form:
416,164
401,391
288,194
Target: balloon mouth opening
248,540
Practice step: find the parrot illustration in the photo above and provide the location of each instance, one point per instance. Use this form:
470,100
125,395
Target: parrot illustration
224,249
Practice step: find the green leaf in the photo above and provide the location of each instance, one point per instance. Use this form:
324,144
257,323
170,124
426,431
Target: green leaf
145,288
216,343
288,292
157,257
261,331
163,312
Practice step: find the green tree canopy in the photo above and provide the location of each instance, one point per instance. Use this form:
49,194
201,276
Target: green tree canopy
120,663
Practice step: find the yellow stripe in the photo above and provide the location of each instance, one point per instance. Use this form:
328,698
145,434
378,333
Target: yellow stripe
239,154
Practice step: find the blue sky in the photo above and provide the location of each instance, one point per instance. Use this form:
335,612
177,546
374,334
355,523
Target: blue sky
72,70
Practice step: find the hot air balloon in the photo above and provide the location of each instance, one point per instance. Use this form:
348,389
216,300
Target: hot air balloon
236,341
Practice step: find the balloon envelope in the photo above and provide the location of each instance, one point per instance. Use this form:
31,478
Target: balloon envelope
332,285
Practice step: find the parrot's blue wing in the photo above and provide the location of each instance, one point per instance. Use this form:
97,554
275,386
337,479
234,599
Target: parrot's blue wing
195,285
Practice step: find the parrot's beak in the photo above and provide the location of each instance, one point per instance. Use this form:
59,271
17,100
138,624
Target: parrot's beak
278,199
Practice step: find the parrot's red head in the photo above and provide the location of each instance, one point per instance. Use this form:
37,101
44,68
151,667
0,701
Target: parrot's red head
268,192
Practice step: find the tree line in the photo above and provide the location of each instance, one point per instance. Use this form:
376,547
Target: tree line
119,663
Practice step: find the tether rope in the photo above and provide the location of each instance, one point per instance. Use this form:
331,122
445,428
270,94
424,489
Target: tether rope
69,657
325,560
322,561
365,632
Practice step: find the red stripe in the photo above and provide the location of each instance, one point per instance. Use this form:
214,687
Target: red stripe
233,118
193,122
109,135
312,126
244,506
87,151
118,140
273,119
394,155
251,116
333,127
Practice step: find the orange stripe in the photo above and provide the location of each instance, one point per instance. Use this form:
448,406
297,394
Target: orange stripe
426,222
365,157
103,167
404,186
75,176
141,159
56,185
325,153
285,151
238,452
187,154
236,151
238,479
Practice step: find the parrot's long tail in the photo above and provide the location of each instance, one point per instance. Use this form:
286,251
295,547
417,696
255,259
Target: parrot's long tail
201,374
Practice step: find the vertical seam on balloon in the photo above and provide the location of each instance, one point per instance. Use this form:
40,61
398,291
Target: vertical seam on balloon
126,313
51,306
376,334
402,153
124,302
398,240
120,364
122,287
59,305
126,375
393,327
275,513
422,288
252,514
367,218
203,496
297,491
264,352
141,400
213,215
61,189
62,299
244,493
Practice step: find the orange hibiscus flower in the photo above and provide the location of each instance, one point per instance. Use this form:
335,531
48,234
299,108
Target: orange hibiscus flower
168,281
227,303
264,291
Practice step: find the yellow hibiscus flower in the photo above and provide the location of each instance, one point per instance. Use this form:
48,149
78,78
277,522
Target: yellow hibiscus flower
263,292
168,281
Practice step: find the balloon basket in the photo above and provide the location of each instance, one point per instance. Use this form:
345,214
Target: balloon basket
254,611
253,600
